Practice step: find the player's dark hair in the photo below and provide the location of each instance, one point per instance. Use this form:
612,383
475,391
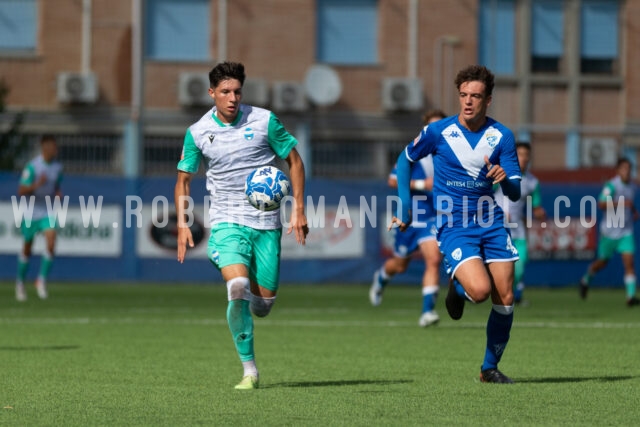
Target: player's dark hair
431,114
47,137
474,73
523,144
225,71
622,160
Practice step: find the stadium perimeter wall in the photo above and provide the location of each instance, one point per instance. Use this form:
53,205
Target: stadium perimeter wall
352,242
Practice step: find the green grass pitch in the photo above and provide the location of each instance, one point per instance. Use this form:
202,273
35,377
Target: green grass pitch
148,355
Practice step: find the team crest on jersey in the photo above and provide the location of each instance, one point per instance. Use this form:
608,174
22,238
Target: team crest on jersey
457,254
248,134
492,136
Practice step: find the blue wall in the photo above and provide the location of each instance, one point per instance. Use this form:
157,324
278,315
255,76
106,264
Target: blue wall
128,267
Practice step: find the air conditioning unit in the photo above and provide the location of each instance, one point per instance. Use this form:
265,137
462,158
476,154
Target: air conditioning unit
401,94
288,97
255,92
193,90
599,152
77,88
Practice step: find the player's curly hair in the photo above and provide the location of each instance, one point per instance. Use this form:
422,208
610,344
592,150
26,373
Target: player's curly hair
476,73
225,71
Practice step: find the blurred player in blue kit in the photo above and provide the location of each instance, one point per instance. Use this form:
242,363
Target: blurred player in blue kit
515,212
615,237
419,236
40,179
471,152
234,139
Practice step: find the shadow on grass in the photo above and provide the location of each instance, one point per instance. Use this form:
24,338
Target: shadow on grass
39,347
335,383
609,378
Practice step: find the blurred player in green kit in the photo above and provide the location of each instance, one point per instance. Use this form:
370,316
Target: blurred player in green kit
41,180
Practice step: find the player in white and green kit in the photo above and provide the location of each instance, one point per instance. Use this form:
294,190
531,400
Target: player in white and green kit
515,215
618,193
41,180
233,139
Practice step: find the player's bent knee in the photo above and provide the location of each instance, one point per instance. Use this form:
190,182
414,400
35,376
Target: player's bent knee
479,295
238,288
261,306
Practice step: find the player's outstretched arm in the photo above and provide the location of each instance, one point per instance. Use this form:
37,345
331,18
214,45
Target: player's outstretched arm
181,196
298,217
403,173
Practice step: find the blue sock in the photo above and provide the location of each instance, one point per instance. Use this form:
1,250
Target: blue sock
498,329
429,296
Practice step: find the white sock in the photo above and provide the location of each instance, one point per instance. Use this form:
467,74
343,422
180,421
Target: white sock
250,368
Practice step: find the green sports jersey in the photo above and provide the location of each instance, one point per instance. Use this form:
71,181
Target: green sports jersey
33,172
613,190
515,211
230,152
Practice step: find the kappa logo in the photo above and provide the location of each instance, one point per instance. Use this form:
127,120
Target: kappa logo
457,254
248,134
454,134
211,137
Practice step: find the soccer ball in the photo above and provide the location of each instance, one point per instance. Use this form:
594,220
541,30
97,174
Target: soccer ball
265,188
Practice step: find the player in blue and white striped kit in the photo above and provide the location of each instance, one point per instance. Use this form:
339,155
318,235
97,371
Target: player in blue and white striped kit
471,152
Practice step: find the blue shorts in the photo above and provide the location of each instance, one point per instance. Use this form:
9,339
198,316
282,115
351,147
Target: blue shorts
408,241
490,244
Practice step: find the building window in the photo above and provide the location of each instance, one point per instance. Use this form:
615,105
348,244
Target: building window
18,25
177,30
497,38
547,35
599,36
347,32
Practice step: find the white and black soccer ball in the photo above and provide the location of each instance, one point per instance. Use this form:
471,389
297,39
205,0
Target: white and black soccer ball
265,188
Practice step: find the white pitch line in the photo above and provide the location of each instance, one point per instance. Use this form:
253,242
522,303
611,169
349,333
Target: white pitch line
302,323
